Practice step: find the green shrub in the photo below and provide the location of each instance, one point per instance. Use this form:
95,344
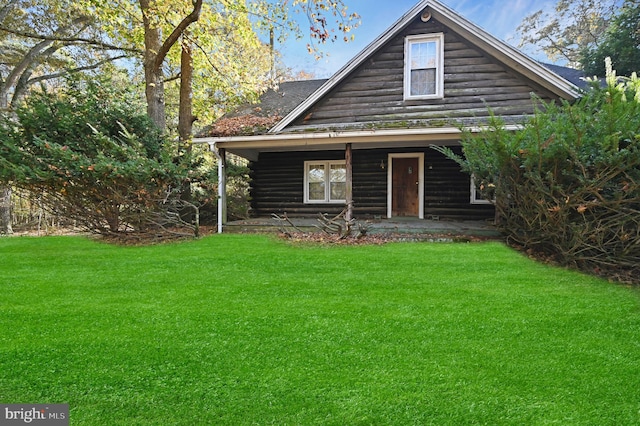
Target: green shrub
93,156
567,185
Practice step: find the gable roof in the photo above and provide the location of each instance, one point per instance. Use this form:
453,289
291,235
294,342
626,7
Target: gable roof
576,77
502,51
282,99
277,102
257,118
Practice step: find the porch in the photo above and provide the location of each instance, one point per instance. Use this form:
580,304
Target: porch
411,226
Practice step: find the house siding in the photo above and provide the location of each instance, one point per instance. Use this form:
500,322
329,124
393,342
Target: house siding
364,105
373,95
278,185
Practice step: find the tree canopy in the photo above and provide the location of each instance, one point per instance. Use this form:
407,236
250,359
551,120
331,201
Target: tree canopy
620,42
230,57
215,49
46,39
564,32
583,33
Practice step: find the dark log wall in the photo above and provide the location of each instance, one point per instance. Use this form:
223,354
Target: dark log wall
473,81
447,190
278,179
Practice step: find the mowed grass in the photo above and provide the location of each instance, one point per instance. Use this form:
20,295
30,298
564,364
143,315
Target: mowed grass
240,329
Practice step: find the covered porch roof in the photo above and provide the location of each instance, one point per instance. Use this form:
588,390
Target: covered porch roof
250,146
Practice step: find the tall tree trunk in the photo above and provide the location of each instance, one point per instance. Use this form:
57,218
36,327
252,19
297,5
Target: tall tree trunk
5,210
185,121
5,192
153,75
154,92
155,52
185,114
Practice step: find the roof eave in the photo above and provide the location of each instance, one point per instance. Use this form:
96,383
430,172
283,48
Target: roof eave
362,139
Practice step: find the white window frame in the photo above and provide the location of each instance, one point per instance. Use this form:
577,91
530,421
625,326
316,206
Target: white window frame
438,38
475,194
327,183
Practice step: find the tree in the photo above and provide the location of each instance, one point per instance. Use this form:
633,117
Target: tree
41,36
572,26
41,41
220,36
224,60
156,50
6,132
620,42
44,40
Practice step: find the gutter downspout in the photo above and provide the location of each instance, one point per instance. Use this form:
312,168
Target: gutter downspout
222,184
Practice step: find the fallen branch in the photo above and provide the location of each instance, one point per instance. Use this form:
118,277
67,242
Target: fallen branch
283,222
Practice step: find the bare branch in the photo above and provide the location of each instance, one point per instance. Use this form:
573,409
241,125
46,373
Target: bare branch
196,44
5,10
75,70
172,78
71,40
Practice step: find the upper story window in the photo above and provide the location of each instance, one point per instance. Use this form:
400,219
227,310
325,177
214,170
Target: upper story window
424,66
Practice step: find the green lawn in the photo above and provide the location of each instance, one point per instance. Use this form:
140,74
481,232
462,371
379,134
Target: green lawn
239,329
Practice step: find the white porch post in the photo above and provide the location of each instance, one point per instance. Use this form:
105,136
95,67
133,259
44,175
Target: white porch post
221,155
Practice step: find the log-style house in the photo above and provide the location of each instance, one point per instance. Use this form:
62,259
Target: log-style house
363,136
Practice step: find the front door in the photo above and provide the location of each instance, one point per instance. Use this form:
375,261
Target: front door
405,186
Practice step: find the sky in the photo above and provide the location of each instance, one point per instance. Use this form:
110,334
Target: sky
498,17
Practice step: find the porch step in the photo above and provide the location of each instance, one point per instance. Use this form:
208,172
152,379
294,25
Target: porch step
408,226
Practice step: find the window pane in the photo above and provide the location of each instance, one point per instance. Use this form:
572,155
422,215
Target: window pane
423,55
338,186
338,191
476,193
423,82
338,173
316,172
316,182
316,191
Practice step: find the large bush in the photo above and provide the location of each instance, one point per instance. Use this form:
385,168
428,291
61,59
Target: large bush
567,186
93,156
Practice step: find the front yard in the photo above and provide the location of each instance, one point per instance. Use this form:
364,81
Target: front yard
245,329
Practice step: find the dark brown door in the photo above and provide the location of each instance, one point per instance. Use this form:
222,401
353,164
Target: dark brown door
405,184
